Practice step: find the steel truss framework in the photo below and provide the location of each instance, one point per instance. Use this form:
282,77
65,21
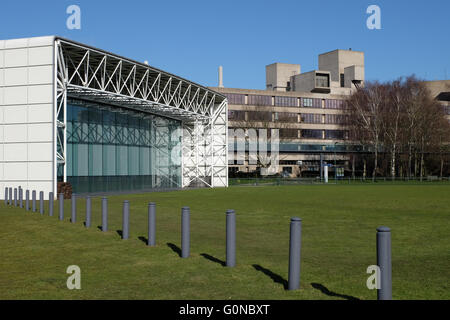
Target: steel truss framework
91,74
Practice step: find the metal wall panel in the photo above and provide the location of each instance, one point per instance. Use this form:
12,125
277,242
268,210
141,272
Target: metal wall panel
26,114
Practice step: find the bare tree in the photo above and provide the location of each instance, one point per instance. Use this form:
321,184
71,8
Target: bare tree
397,118
365,118
262,122
392,120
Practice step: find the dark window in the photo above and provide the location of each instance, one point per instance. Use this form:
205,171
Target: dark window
342,80
288,133
259,116
286,117
335,134
287,170
322,80
311,134
235,115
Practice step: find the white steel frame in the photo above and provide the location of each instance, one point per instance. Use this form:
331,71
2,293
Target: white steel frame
94,75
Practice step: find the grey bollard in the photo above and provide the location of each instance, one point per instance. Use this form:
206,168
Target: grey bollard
151,224
15,197
61,206
231,238
384,263
20,197
6,196
88,211
294,253
33,198
27,200
125,219
50,204
104,214
41,202
185,230
73,218
10,196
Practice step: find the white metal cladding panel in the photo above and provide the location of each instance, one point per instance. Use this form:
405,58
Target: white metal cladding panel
40,151
40,74
40,113
40,56
14,133
40,132
15,95
40,94
15,152
16,76
15,58
26,114
15,114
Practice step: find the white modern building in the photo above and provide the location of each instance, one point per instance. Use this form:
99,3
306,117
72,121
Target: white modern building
74,113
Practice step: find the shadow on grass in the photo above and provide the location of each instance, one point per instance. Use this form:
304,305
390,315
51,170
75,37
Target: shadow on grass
275,277
213,259
143,239
175,248
120,233
325,290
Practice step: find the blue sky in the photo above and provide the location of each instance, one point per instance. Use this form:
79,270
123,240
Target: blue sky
192,38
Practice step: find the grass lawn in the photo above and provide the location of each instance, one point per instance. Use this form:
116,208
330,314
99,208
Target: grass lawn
338,244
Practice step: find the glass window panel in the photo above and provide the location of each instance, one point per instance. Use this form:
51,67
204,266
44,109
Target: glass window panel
311,134
259,100
110,149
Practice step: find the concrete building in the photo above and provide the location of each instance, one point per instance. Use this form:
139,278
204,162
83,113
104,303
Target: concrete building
307,110
73,113
440,90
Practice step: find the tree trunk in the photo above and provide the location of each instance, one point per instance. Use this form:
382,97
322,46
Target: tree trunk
415,164
375,164
393,163
442,166
409,162
353,167
421,167
364,170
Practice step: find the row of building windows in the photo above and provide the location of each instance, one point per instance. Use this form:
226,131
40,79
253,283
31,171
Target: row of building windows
263,100
239,115
292,133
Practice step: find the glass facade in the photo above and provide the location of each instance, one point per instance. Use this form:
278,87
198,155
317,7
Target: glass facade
113,149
